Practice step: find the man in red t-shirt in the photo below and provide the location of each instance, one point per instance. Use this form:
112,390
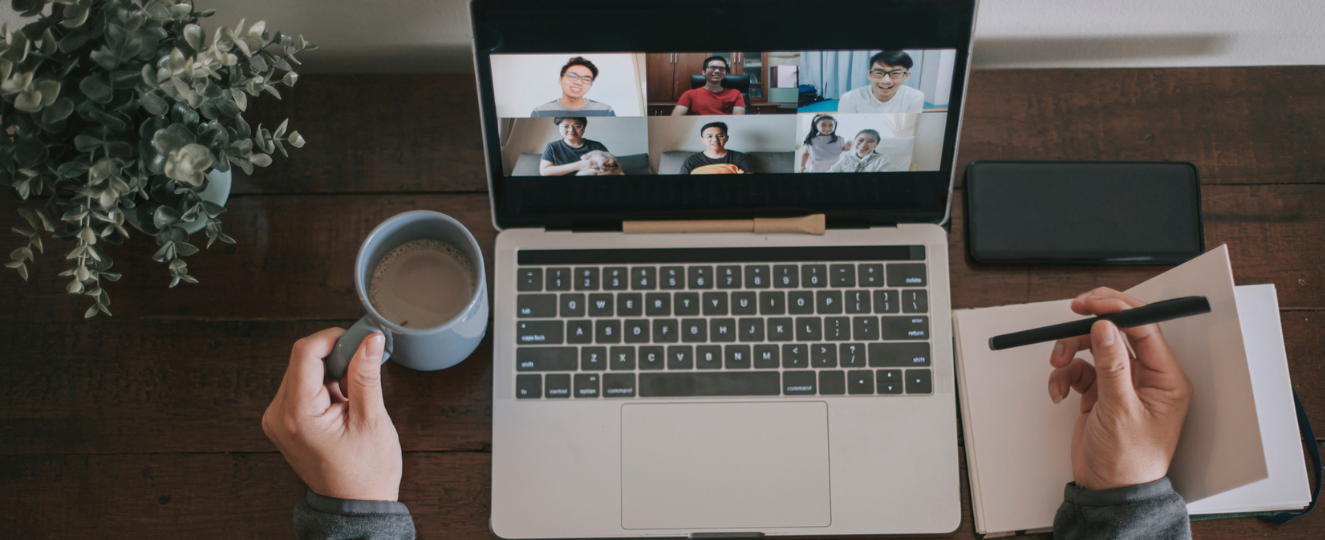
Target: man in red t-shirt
712,98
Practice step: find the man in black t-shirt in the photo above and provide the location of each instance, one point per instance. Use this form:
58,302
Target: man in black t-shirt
714,135
566,155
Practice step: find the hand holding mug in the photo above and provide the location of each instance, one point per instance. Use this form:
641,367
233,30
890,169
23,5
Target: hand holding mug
1132,409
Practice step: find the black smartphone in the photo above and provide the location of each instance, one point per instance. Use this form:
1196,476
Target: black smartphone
1113,213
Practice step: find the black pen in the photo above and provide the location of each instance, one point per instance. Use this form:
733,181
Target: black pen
1150,313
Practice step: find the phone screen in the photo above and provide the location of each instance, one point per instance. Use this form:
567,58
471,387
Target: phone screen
1083,213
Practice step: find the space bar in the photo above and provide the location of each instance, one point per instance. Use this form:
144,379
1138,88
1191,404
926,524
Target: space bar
748,383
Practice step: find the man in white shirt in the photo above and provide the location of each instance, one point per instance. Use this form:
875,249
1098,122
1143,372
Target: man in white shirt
885,93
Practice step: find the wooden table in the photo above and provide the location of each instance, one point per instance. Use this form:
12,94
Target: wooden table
146,424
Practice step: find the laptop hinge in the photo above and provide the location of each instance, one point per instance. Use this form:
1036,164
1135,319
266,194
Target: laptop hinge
725,535
811,224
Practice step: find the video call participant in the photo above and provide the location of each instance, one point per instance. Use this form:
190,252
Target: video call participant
864,158
716,158
712,98
577,78
566,155
885,93
822,145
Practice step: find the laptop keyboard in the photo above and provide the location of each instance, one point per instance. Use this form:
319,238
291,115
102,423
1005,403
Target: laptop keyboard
799,321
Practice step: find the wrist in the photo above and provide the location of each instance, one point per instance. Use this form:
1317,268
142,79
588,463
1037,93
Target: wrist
1078,494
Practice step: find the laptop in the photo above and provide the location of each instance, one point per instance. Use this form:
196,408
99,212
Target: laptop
722,384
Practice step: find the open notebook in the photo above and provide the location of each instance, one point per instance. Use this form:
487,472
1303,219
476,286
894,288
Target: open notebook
1240,449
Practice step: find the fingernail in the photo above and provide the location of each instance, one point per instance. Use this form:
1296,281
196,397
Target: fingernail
1109,332
375,345
1057,398
1058,349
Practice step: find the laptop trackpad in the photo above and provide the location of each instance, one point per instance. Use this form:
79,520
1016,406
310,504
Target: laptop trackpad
724,465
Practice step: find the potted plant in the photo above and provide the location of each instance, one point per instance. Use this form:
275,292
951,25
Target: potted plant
120,111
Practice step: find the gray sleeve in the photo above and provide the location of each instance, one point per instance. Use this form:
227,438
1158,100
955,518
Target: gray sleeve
1146,512
327,518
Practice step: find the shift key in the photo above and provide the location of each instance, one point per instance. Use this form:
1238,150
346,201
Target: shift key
539,332
546,359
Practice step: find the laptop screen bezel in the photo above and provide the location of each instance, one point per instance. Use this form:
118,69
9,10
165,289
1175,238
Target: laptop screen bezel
602,203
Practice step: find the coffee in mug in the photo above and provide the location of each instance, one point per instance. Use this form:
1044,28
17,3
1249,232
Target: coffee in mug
421,284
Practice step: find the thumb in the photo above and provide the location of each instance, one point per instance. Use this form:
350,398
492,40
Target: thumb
365,376
1113,366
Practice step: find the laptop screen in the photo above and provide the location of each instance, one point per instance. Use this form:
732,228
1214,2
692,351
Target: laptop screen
720,109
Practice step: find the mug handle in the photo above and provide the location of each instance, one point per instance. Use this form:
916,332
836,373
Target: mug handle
339,359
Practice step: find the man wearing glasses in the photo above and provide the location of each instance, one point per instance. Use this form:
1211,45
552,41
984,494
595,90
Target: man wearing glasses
712,98
577,78
716,158
885,93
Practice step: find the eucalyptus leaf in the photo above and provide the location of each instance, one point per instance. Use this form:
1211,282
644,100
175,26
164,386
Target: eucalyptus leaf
153,103
185,249
57,111
193,36
91,312
165,216
95,87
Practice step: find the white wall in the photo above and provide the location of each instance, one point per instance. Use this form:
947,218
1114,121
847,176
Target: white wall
622,137
748,133
929,142
521,82
434,35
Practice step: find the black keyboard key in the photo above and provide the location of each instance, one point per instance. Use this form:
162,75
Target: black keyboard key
781,329
658,304
643,278
865,328
756,276
680,357
579,332
636,331
722,330
616,278
652,357
601,305
729,277
744,303
869,275
715,303
860,382
621,358
814,276
837,328
890,387
572,305
809,329
708,357
665,331
899,354
607,331
618,385
558,279
823,355
915,301
906,275
828,302
700,277
799,383
694,331
786,276
800,302
539,332
586,279
752,330
529,279
586,385
913,327
857,301
546,359
918,382
832,383
528,386
889,376
795,356
686,304
852,355
885,301
672,278
842,275
535,306
750,383
772,303
557,385
737,356
766,356
629,304
593,358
